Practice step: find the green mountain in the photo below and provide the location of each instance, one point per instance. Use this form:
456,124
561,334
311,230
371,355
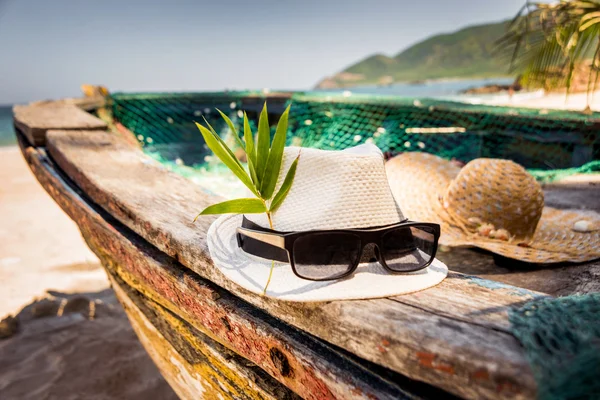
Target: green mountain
467,53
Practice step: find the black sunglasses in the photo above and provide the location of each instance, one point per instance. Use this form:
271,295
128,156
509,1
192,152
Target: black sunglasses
322,255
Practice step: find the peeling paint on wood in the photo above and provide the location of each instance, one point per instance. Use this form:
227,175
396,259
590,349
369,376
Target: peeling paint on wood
319,372
210,378
428,360
511,290
454,321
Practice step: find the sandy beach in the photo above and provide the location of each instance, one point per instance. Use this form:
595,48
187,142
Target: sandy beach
539,99
40,247
69,339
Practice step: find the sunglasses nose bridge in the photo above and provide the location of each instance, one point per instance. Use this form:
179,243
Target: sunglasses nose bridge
370,247
371,238
378,255
377,250
370,252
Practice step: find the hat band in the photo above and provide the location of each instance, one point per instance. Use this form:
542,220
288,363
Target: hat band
475,227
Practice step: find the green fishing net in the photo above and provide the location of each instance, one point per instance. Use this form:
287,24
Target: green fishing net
551,143
557,174
561,338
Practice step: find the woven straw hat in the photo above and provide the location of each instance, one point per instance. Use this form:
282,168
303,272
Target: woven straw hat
331,190
492,204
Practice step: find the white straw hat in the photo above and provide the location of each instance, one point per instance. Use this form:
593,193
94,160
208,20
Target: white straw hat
331,190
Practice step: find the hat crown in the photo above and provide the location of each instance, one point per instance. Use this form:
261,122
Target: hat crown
334,190
496,192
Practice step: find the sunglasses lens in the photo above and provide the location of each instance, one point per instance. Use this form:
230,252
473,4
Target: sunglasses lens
325,255
408,248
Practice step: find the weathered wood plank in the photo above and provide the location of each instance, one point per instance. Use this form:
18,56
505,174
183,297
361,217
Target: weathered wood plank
465,350
194,365
86,103
576,191
35,120
309,367
555,280
470,299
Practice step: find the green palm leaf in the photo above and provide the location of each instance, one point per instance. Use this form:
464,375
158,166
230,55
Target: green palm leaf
285,187
250,151
233,130
263,140
222,142
548,42
253,172
264,165
275,155
226,156
237,206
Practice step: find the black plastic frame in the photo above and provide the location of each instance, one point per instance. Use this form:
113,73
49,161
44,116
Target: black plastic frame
269,245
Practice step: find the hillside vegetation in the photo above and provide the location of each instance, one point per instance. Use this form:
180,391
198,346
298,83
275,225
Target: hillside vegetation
467,53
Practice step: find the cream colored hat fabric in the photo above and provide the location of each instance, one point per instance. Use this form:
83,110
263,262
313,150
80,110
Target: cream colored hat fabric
335,190
331,190
492,204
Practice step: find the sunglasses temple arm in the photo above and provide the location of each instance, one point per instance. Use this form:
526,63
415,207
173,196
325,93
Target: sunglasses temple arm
270,238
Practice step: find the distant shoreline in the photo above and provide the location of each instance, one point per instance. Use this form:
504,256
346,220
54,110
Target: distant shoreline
415,82
457,79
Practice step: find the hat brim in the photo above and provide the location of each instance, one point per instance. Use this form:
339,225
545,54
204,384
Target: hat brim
370,280
554,241
418,180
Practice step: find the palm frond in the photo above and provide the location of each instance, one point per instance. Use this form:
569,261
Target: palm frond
264,166
546,42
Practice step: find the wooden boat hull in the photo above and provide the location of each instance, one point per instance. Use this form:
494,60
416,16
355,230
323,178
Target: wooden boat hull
177,314
193,365
211,338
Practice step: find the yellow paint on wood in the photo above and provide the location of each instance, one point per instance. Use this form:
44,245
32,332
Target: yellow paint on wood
211,379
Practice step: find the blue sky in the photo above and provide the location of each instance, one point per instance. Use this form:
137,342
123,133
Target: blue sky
49,47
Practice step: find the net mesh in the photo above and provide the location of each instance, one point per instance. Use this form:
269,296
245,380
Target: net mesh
561,336
562,342
551,143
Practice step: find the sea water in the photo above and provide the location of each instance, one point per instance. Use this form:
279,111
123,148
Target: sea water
449,89
7,134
